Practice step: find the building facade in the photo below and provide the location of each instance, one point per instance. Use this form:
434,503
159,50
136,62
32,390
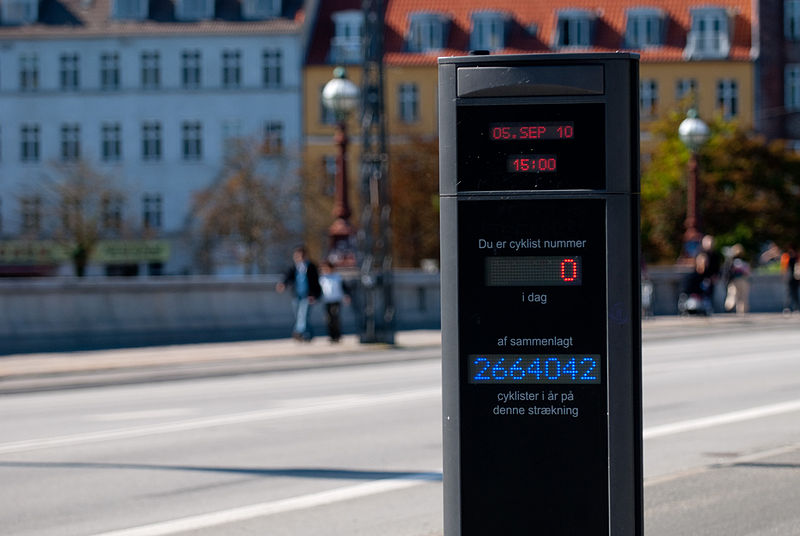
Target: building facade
147,94
692,54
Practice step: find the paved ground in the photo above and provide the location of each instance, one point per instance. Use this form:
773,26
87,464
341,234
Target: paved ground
44,371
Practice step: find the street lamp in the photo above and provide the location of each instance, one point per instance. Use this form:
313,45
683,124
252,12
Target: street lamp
341,96
693,132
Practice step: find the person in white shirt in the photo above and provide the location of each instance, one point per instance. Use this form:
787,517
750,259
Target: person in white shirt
334,292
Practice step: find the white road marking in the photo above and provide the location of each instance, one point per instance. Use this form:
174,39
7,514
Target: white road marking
320,405
252,511
723,418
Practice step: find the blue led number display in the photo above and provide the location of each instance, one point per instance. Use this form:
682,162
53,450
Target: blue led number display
544,368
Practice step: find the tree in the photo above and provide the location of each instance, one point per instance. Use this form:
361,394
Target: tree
414,172
86,204
749,191
252,205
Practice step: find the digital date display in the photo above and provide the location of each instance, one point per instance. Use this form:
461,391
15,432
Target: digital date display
547,146
532,369
552,270
535,163
563,130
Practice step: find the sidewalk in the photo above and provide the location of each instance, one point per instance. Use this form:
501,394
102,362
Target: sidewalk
33,372
46,371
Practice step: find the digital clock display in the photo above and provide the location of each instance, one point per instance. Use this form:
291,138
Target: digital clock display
544,368
531,147
532,131
534,163
551,270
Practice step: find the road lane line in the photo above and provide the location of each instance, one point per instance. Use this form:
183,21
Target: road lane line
723,418
252,511
337,403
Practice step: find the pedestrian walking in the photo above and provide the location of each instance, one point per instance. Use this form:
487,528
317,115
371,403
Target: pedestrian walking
737,276
303,277
791,268
334,293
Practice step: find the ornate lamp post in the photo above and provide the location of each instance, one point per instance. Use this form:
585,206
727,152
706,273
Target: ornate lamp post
341,96
693,132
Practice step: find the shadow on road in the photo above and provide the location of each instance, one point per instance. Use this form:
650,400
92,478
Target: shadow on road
292,472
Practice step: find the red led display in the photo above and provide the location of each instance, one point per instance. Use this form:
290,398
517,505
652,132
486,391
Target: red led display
569,270
564,130
535,163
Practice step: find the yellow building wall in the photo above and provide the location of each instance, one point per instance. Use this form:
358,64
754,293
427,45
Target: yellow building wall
707,74
319,138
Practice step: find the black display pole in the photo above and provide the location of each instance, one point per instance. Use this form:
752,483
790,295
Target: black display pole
541,332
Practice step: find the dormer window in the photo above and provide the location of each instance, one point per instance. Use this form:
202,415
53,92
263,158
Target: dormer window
646,28
194,9
261,9
20,11
489,30
129,9
574,28
709,36
427,32
347,38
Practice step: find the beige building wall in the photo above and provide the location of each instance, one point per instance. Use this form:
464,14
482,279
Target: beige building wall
318,139
707,75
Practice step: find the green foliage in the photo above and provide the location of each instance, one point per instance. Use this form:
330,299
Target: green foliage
749,191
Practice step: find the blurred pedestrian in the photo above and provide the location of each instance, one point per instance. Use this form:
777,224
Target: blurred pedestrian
791,268
713,265
303,277
694,297
737,277
334,292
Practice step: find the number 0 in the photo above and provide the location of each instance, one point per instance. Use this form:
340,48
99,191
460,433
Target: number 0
569,270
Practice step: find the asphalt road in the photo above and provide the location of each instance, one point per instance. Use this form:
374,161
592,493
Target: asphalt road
356,449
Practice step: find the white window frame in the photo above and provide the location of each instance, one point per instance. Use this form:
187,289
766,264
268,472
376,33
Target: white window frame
109,71
272,67
191,69
151,141
261,9
645,28
574,28
30,208
152,211
112,208
111,142
648,98
348,36
273,137
728,97
709,34
150,69
194,9
28,71
30,142
69,71
791,19
792,86
129,9
19,11
684,87
192,140
489,30
427,32
231,68
70,142
408,102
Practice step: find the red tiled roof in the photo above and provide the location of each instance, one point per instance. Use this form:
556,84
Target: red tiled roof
609,30
81,18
